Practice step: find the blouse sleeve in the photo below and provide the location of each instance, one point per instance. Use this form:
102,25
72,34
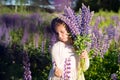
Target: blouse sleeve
55,52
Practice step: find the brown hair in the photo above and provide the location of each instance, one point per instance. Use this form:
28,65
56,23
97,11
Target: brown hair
56,22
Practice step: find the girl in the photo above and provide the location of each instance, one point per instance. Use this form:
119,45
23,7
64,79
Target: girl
64,59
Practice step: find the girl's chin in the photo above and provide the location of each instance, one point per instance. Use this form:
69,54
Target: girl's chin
65,41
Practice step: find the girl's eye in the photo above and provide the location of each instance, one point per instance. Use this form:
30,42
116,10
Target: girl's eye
62,32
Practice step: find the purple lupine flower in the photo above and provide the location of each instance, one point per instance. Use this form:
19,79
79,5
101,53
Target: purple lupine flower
114,76
25,22
53,39
95,36
25,36
74,31
95,32
69,18
7,36
42,46
7,19
49,34
94,43
86,17
44,39
26,67
115,19
106,44
1,21
67,69
2,25
1,32
35,20
73,17
111,32
36,40
117,32
100,42
17,21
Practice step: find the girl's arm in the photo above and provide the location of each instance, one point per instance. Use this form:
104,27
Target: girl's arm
56,60
84,60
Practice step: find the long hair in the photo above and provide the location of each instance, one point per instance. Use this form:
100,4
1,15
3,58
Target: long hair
56,22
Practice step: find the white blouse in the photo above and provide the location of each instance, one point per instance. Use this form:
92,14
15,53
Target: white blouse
65,59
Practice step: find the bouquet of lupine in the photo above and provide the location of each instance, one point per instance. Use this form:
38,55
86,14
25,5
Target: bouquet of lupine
79,29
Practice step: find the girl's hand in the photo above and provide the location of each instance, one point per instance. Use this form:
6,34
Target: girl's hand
84,54
57,72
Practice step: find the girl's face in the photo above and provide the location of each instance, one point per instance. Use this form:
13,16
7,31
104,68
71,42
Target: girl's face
63,35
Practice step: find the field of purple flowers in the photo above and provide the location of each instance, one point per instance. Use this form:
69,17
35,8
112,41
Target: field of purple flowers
25,40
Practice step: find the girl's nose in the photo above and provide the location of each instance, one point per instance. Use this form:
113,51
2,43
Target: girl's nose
60,35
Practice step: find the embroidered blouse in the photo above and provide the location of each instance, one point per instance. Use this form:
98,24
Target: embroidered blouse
65,59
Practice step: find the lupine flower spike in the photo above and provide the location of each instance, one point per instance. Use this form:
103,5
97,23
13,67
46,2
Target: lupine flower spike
26,67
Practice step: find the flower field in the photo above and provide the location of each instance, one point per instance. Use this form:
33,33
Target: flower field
25,41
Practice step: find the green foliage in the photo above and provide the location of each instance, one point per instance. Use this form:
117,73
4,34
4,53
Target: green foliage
118,72
102,68
3,10
80,43
40,65
16,35
11,63
12,67
106,18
